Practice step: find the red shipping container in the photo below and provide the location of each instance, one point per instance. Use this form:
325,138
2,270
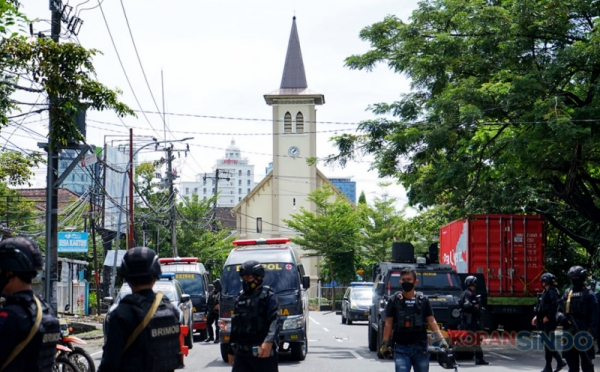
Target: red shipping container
494,245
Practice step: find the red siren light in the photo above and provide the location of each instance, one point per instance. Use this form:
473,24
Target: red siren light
240,243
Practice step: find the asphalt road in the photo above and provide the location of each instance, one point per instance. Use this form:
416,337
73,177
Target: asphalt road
336,347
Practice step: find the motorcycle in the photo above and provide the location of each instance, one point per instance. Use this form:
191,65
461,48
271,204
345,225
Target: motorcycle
77,355
62,362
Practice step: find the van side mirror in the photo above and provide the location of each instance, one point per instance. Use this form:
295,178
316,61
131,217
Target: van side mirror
380,289
211,287
306,281
185,298
108,301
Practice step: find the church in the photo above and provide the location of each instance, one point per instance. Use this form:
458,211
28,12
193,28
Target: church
286,188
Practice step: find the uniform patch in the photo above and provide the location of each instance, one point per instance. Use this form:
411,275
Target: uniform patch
3,314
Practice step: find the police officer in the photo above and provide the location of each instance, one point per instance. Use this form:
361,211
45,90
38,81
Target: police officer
407,314
131,346
213,312
545,319
255,323
28,328
470,313
580,316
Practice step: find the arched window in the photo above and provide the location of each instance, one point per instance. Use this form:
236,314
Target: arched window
248,173
299,123
240,173
287,123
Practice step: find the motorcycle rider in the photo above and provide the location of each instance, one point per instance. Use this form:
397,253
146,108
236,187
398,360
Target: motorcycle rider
212,307
255,323
470,313
545,319
34,330
143,331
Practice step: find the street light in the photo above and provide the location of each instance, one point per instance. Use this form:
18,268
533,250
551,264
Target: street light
114,267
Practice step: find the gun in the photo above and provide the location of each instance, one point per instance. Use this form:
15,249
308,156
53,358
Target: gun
563,318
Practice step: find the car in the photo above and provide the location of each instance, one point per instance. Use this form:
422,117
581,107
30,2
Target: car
356,302
193,277
171,288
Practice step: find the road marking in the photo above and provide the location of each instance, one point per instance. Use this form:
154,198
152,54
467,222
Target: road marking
326,330
311,318
356,354
339,340
500,355
97,352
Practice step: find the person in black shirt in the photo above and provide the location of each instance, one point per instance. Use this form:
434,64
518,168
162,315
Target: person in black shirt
470,313
23,312
212,305
407,314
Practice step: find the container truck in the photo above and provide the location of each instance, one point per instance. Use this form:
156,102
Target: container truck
507,251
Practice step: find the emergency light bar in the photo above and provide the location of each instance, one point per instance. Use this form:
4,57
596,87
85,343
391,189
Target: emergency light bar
261,241
169,276
178,259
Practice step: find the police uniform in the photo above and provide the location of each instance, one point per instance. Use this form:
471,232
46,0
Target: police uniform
17,317
410,329
157,347
255,321
580,307
469,318
547,307
20,310
213,314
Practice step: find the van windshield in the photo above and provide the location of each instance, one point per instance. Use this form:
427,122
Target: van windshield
428,279
281,277
191,283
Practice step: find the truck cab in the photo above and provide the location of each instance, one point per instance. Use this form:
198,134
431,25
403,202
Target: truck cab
285,275
439,282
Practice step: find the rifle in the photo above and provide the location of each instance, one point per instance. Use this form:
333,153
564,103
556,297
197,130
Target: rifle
562,317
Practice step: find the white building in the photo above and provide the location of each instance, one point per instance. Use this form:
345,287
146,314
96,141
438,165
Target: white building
236,179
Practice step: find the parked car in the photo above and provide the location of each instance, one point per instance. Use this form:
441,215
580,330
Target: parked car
171,288
357,301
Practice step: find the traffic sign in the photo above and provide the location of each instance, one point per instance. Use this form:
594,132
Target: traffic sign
110,258
74,242
89,160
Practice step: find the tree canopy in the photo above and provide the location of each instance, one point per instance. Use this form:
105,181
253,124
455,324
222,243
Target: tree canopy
503,113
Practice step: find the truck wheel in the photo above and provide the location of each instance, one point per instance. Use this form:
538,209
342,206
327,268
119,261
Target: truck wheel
348,321
299,350
372,339
343,319
224,348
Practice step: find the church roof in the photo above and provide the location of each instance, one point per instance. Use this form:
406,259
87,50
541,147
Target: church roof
293,70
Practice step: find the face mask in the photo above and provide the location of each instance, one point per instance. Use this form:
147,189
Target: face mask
577,283
249,287
407,286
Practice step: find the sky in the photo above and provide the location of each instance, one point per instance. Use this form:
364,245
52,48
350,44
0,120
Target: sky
218,60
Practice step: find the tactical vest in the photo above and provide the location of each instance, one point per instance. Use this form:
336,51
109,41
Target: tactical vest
576,306
467,317
46,338
546,301
249,325
409,319
159,341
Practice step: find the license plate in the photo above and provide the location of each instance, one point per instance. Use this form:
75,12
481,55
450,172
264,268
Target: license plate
366,313
226,338
294,337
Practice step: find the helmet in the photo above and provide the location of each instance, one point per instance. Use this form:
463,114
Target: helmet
446,359
217,285
252,267
20,255
470,280
577,272
140,262
548,278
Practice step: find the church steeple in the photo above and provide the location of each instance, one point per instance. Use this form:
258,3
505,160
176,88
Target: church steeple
294,76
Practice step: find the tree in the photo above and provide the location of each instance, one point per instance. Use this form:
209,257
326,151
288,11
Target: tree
362,199
331,232
503,115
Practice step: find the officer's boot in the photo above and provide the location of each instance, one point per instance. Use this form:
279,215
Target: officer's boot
211,337
560,362
547,368
479,361
216,334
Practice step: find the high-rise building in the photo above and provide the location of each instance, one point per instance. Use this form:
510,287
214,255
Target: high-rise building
80,178
236,179
347,186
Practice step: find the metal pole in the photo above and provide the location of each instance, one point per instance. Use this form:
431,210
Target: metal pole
171,178
131,239
96,277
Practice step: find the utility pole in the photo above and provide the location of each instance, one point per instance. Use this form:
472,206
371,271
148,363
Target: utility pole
216,180
131,237
171,177
96,268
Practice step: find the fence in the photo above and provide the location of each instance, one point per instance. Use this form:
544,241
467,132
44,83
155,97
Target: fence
76,297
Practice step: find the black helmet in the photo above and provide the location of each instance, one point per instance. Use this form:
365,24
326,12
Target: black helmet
217,285
470,280
140,262
548,278
446,359
252,267
20,255
577,272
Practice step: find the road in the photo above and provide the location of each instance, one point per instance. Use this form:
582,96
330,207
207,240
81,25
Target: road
336,347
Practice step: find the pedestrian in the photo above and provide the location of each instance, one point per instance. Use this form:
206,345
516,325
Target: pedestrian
255,323
212,306
29,329
470,314
407,314
545,319
143,330
580,316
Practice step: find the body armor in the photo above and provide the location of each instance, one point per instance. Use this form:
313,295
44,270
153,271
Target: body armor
213,300
545,302
160,341
469,312
44,341
577,306
247,324
409,319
